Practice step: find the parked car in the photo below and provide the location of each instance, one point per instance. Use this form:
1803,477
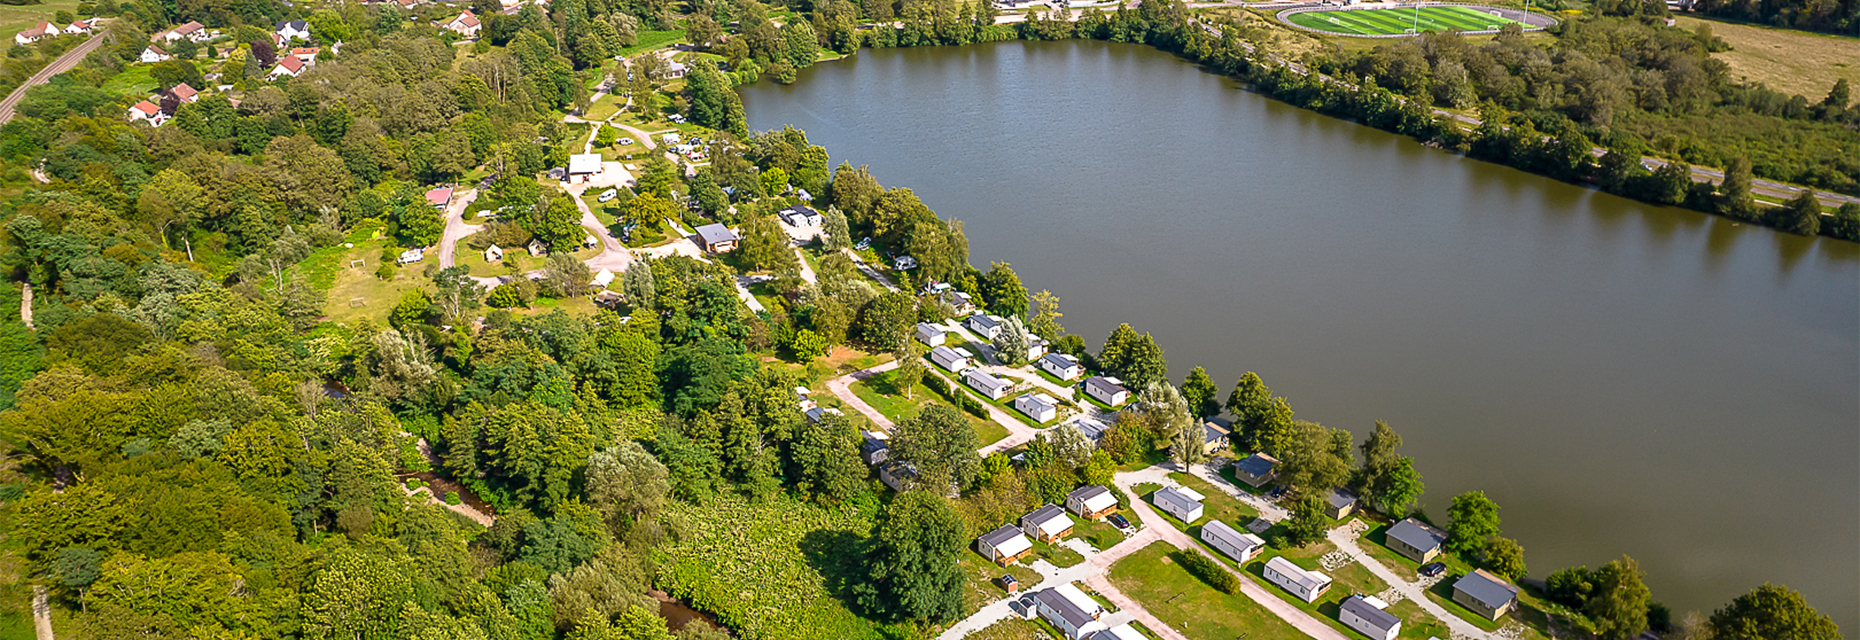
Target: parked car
1433,569
1117,520
608,195
864,244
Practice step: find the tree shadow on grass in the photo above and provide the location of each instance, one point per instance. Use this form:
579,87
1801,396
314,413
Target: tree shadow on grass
839,556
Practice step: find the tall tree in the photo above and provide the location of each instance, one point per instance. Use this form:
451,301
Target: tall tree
1248,403
836,233
1475,519
1618,603
1801,215
1201,393
910,369
940,443
1314,459
1043,317
1002,291
1734,193
826,457
765,245
912,569
1505,557
1013,343
1166,412
1771,612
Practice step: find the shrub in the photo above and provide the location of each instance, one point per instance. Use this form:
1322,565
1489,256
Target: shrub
452,497
1208,571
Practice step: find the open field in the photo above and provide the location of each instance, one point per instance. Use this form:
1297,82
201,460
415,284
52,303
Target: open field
1796,62
1153,578
1378,22
882,393
17,18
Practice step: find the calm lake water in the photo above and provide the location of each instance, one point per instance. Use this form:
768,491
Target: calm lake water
1620,378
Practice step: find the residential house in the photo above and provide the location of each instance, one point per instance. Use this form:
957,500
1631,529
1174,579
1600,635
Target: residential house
583,167
1340,503
1004,546
1039,406
146,111
1181,502
1120,632
962,303
1110,391
152,54
1062,366
1257,469
876,448
465,24
931,334
1361,614
984,325
897,474
991,387
817,414
1093,429
184,94
81,27
293,30
1213,437
1036,347
287,66
36,33
802,216
1307,585
306,54
1069,610
717,238
1239,546
1091,501
1048,523
493,253
439,197
193,31
1415,541
1486,594
675,70
950,359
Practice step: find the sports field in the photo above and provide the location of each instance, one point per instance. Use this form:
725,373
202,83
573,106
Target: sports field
1376,22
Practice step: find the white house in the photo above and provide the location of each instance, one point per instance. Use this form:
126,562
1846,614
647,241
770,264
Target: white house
1239,546
930,334
1362,614
1091,501
1307,585
184,93
1069,610
1004,546
1179,503
1048,523
152,54
81,27
493,253
38,32
465,24
1110,391
307,55
583,166
1039,406
146,111
984,325
603,278
288,66
675,70
293,29
876,448
1062,366
963,303
191,31
991,387
950,359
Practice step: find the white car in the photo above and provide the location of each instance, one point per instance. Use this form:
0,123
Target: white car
608,195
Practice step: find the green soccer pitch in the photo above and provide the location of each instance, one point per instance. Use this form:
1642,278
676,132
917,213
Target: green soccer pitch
1377,22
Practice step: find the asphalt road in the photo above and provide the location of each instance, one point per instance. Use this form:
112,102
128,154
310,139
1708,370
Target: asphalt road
64,63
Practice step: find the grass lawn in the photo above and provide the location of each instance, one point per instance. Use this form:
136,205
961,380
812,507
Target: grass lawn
328,270
882,393
982,588
1009,629
1218,505
1530,611
576,306
1096,533
1798,62
605,107
653,40
776,570
1396,21
1060,556
133,81
1152,578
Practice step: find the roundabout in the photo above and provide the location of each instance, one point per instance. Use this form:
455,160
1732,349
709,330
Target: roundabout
1391,20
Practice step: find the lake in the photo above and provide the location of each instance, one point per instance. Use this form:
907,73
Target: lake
1619,377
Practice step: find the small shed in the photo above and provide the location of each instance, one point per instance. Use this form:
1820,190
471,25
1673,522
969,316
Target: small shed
493,253
1340,503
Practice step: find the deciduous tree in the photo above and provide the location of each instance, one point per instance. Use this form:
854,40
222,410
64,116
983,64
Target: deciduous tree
912,570
1475,519
1771,612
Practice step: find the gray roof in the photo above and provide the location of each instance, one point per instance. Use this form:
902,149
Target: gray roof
979,378
1087,492
1000,536
1256,465
985,321
715,233
931,329
1227,534
1044,514
1412,533
1060,360
1103,385
1037,402
945,354
1092,429
1341,497
294,24
1176,499
1304,577
874,445
1211,432
1071,612
1486,588
1381,620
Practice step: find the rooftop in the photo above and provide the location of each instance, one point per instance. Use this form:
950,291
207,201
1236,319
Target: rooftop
584,163
1176,499
1376,617
1414,534
715,233
1060,360
1256,465
1103,385
1488,589
1310,580
1239,541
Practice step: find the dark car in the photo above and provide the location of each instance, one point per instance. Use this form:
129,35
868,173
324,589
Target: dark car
1275,493
1119,522
1433,569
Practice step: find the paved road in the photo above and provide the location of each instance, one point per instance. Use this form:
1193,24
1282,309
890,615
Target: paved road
64,63
456,229
842,389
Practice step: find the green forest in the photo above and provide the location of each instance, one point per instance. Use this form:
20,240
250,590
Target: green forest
198,448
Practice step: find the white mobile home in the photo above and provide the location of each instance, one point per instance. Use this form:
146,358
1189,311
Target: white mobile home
1176,502
949,359
1062,366
1307,585
1039,406
1239,546
991,387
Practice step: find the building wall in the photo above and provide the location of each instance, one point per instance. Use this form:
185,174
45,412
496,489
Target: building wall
1477,606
